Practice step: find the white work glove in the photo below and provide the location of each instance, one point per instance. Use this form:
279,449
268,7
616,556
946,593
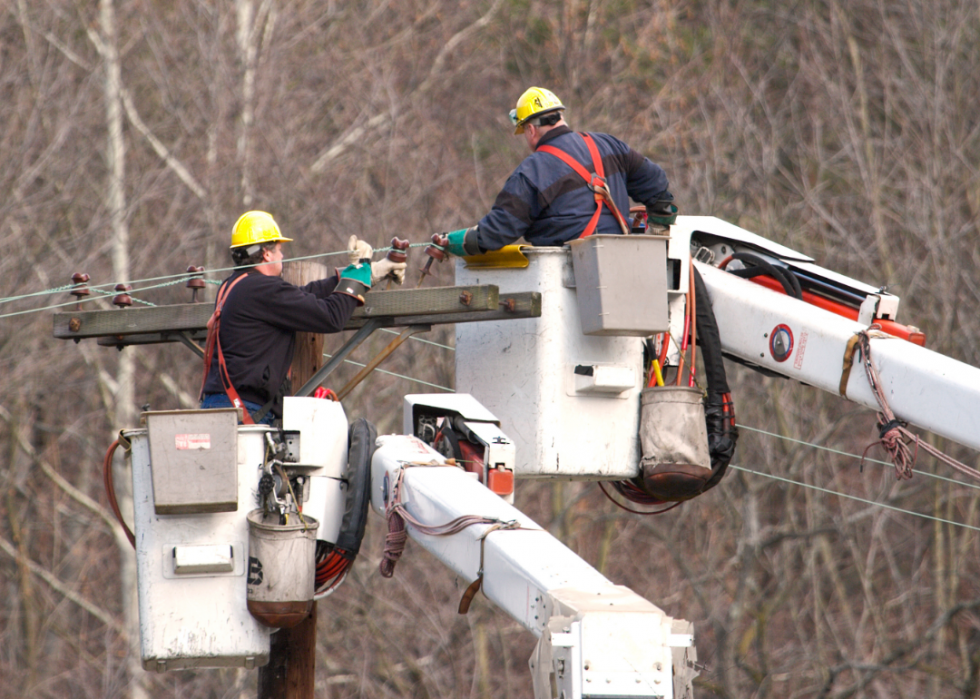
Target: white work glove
358,250
386,268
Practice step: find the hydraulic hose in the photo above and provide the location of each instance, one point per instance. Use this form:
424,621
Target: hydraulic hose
719,412
363,436
761,266
334,562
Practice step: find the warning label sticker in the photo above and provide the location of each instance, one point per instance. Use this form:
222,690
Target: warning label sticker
193,441
798,364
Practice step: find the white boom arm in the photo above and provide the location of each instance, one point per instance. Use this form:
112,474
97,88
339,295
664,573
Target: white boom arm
597,639
923,387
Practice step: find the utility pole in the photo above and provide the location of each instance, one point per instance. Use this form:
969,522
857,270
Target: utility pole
291,671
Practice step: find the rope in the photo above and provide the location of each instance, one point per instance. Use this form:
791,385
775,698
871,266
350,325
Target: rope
397,516
893,436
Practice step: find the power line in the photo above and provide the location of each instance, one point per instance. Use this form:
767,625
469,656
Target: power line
174,279
781,478
400,376
855,456
422,340
855,497
177,278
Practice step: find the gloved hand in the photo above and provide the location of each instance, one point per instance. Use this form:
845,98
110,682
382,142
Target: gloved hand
355,278
358,250
662,213
462,243
386,268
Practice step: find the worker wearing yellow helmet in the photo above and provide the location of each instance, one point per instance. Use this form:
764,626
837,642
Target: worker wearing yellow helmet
252,333
572,185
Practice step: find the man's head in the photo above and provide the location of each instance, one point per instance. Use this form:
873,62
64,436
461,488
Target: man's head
537,111
257,240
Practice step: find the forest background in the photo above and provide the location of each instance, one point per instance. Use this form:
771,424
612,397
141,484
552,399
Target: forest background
134,132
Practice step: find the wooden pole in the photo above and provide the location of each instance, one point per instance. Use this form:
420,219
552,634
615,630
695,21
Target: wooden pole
291,671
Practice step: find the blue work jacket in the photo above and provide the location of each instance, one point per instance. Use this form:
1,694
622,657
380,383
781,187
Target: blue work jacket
548,203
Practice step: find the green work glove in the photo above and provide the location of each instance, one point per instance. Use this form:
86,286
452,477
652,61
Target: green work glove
360,272
663,213
462,243
355,280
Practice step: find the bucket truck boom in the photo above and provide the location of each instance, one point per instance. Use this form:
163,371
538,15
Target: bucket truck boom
800,339
595,638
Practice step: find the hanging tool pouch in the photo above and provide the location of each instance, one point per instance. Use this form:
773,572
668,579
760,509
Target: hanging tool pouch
676,464
671,473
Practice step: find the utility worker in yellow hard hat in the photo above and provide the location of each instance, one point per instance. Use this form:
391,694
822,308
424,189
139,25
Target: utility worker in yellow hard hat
572,185
252,333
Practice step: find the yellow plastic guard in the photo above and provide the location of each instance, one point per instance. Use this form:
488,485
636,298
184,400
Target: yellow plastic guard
509,256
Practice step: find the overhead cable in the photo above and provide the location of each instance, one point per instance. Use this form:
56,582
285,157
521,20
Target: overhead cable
855,497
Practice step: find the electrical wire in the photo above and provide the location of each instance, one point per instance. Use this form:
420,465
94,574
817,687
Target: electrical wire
855,497
421,339
399,376
171,279
856,457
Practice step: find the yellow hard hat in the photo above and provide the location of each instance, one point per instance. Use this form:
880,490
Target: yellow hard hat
535,102
256,227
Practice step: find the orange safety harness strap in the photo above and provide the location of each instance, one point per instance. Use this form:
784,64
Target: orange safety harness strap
596,182
214,326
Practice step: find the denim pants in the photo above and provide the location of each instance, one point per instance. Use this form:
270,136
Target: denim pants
221,400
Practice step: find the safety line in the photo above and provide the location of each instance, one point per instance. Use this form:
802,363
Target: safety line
855,497
856,456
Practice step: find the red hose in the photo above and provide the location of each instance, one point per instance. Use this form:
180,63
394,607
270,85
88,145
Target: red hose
634,494
110,489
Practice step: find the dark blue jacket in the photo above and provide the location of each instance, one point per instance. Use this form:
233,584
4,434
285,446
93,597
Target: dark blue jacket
548,203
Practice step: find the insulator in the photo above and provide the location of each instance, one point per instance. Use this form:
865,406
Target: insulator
123,300
399,250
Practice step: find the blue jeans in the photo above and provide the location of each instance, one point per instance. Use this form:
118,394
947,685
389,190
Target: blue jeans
221,400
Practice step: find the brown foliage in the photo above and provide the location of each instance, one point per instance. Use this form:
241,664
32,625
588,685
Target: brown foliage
845,130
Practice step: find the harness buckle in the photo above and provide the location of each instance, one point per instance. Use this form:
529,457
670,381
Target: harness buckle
598,184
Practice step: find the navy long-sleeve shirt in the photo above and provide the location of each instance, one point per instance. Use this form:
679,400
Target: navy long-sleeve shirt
259,322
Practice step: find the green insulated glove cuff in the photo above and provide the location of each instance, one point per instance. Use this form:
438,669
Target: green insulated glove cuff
462,243
355,280
352,287
663,213
360,272
456,239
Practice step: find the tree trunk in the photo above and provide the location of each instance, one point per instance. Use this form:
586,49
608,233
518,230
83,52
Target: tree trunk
124,412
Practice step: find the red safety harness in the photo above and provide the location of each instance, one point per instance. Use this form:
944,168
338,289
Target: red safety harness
596,181
214,326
